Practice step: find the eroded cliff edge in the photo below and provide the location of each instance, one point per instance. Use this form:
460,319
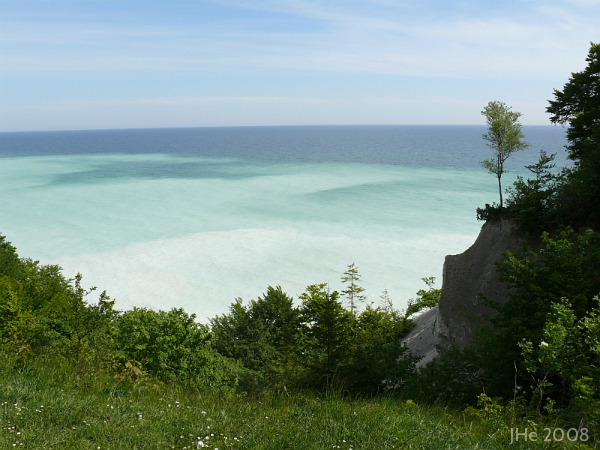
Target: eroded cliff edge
465,277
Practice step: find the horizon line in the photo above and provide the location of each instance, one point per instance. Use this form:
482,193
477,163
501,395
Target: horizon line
261,126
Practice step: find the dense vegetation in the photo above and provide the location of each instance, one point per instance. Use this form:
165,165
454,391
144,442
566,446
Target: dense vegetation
269,342
544,348
266,375
328,370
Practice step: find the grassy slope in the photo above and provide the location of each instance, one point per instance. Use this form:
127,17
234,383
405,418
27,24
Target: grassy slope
52,409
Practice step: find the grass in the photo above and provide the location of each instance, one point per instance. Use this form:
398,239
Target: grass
50,408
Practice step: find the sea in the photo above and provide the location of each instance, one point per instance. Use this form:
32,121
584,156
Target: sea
196,218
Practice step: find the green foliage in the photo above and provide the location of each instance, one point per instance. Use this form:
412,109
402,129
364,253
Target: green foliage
578,105
329,329
173,347
44,287
353,292
90,327
566,266
16,321
455,377
569,351
267,343
504,137
11,265
532,202
65,323
382,324
234,337
321,344
426,298
491,212
44,313
263,335
379,362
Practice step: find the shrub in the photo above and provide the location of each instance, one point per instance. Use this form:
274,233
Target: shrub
173,347
569,351
263,335
426,299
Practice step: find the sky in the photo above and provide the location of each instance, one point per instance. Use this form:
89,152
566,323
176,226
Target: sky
106,64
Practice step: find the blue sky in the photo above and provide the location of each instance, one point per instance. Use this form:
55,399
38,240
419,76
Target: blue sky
88,64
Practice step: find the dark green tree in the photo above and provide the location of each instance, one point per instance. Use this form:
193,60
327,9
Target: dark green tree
567,266
379,361
329,329
455,377
263,335
533,202
578,105
236,336
504,137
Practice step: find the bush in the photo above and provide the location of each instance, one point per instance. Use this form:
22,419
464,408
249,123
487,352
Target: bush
426,299
491,212
263,335
569,351
455,377
172,347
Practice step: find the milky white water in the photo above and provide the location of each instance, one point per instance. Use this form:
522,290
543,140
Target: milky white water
192,228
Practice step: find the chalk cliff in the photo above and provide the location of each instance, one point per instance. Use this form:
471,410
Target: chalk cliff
465,277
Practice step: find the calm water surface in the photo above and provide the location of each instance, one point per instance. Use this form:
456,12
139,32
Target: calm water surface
195,218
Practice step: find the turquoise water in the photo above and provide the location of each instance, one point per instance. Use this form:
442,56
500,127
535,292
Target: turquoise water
172,218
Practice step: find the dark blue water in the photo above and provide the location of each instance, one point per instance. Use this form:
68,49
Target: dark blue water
413,146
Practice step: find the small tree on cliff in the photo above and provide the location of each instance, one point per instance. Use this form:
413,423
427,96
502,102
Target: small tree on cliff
504,137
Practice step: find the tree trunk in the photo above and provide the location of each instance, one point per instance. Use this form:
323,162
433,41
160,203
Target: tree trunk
500,190
500,168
